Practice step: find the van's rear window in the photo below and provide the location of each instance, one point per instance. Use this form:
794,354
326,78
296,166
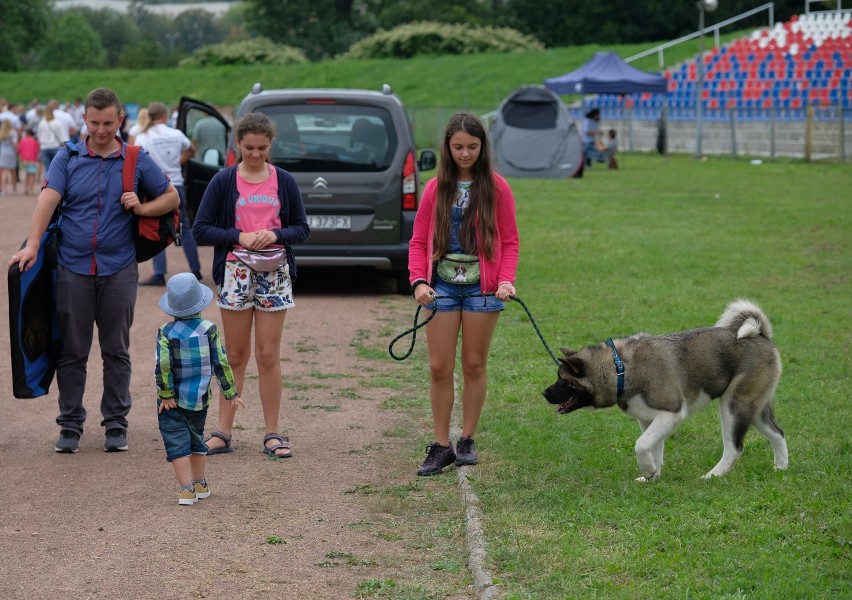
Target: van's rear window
331,137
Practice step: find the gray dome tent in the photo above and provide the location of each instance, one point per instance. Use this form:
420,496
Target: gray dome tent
532,135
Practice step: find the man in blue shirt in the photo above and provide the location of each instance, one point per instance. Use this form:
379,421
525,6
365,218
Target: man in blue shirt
97,275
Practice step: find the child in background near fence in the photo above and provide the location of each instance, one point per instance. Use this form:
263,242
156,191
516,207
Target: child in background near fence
189,354
28,150
610,147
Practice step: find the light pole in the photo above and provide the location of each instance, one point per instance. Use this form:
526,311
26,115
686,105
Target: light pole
703,6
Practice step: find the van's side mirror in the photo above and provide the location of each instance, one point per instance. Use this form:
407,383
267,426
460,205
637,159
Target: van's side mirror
427,160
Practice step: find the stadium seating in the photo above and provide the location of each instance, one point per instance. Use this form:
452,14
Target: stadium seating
805,62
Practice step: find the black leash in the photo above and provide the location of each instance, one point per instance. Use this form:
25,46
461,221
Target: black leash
413,330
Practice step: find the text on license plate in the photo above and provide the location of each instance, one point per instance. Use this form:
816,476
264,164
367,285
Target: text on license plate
330,221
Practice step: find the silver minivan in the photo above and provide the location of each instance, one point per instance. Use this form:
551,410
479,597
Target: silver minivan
353,155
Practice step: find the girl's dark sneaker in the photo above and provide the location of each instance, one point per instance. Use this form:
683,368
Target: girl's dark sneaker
466,452
437,457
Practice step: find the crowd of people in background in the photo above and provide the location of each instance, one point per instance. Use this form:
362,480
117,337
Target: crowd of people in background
30,137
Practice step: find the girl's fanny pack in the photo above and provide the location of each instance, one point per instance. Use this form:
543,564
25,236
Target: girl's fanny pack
462,269
262,261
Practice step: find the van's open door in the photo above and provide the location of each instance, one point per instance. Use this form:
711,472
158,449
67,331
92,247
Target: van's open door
209,132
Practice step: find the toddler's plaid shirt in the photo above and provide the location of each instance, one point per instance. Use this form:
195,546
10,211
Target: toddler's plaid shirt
189,354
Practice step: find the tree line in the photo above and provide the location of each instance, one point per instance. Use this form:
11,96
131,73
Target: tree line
35,35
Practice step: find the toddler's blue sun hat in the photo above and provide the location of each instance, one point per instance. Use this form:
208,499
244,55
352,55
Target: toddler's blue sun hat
185,296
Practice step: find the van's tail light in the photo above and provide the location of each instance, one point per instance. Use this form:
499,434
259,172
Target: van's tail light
231,158
409,184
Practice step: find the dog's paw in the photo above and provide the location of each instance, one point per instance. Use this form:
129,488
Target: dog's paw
644,479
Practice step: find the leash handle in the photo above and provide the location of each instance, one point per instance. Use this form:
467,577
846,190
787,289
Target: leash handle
413,330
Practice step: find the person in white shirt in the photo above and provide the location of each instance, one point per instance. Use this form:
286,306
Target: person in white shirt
51,135
65,118
8,114
170,149
32,116
76,110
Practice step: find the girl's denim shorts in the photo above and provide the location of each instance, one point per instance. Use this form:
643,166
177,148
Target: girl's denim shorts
463,298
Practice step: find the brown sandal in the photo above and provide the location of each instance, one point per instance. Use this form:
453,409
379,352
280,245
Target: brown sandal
224,449
283,444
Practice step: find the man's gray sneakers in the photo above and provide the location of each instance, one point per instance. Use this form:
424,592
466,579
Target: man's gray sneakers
68,442
116,440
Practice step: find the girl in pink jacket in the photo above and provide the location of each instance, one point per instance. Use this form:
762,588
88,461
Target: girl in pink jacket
464,248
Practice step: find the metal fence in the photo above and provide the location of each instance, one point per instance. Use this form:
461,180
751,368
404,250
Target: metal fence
812,133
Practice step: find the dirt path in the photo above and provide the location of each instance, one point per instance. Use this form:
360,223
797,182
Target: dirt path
98,525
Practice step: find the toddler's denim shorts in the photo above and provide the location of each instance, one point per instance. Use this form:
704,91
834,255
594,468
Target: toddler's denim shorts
468,303
182,431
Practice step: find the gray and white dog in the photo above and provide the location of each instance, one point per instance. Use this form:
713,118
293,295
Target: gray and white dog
661,380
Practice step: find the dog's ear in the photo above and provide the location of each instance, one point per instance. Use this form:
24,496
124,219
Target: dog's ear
575,365
566,351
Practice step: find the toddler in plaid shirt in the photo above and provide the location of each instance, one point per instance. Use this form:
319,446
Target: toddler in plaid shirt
189,355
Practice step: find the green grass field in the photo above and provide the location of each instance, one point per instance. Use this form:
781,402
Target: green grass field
658,246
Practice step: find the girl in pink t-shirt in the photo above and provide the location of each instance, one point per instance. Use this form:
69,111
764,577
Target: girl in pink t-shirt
251,208
28,150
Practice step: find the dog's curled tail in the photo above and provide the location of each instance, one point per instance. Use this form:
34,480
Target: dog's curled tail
746,318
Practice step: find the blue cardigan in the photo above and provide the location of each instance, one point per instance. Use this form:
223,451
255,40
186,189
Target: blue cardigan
215,221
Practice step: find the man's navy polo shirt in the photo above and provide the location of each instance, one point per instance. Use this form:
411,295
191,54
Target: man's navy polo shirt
97,233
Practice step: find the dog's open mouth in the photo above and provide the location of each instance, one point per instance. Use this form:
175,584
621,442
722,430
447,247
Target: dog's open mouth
569,405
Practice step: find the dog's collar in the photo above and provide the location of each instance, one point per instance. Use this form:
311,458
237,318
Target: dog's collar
619,366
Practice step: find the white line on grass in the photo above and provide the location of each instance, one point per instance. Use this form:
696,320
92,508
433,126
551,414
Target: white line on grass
483,581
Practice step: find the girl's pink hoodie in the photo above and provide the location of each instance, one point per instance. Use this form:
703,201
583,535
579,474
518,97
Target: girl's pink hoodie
492,273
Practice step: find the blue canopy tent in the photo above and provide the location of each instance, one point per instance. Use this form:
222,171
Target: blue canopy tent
606,73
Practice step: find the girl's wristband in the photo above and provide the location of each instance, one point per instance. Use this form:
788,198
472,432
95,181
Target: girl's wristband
416,283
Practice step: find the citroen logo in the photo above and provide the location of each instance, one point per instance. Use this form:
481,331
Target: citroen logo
320,183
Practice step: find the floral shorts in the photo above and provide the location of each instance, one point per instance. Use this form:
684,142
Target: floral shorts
244,288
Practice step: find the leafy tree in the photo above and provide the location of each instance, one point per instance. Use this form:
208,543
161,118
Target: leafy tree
72,44
197,28
22,27
117,30
151,25
144,54
399,12
233,24
322,28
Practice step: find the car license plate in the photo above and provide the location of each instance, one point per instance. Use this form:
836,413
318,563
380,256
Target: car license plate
330,221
